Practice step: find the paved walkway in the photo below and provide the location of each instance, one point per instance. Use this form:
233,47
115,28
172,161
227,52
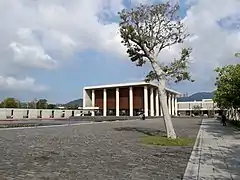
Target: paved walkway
216,154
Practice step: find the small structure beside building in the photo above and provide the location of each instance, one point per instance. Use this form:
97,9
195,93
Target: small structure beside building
204,107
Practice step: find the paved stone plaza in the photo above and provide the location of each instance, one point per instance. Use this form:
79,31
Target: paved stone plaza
216,154
98,151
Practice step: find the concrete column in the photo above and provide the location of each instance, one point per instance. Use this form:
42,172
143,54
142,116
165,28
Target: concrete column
173,104
151,102
157,102
176,105
84,98
104,102
117,101
131,101
169,103
93,102
145,100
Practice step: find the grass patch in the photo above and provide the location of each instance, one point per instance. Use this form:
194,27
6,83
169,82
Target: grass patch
164,141
15,125
18,125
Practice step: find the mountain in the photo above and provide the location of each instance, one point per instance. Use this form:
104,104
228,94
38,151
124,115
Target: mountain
78,102
197,97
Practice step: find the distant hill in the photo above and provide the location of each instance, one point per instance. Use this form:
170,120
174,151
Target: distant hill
78,102
197,96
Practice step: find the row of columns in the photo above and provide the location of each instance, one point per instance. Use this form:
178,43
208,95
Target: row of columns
172,102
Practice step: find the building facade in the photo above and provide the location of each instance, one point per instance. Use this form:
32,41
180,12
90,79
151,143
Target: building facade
127,99
194,108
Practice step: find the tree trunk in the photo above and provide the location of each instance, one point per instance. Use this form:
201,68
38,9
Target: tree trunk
166,116
163,103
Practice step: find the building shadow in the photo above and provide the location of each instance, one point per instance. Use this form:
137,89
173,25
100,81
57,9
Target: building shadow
145,131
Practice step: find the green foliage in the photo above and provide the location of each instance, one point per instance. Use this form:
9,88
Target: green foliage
148,29
10,103
164,141
176,70
42,104
227,94
32,104
237,54
196,109
51,106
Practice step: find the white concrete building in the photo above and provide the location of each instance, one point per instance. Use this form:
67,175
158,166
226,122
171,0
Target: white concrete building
127,99
204,107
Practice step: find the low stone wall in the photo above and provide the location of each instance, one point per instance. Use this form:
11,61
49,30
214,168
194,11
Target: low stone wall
21,114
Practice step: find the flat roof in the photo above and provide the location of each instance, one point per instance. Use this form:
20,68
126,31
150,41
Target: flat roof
127,85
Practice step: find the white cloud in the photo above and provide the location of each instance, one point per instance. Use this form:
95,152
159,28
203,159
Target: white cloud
213,45
42,34
31,56
27,84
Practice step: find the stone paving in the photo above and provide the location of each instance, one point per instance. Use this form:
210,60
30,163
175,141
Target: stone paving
216,154
99,151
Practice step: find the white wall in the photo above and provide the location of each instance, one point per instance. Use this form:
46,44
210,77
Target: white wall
19,113
68,113
77,112
58,113
2,114
8,112
46,113
206,105
87,98
33,113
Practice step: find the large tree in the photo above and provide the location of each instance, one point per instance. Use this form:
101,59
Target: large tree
10,103
146,31
227,94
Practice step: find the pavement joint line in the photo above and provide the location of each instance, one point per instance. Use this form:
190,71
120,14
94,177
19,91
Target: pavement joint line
62,125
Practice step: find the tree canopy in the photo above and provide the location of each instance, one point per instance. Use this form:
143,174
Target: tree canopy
10,103
148,29
227,94
42,104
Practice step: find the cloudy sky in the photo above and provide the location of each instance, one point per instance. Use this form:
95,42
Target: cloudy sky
52,49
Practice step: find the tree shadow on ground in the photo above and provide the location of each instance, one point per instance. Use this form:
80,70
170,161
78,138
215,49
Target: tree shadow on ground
216,129
146,131
225,156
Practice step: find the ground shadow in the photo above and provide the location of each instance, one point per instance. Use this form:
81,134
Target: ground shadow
225,157
146,131
218,130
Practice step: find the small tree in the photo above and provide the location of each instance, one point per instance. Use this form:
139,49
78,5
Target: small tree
237,54
196,109
227,94
42,104
148,29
